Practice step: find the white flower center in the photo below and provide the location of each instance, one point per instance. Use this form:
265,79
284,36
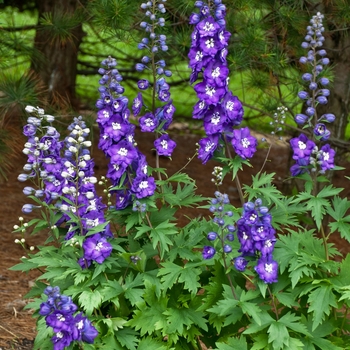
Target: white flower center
123,152
230,105
209,43
199,55
245,143
209,90
208,27
149,122
326,156
80,324
143,184
215,118
209,145
91,222
105,114
301,145
252,217
268,268
245,236
268,243
61,318
116,126
216,72
164,144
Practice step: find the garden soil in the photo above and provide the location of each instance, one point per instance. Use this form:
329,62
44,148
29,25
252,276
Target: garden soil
17,326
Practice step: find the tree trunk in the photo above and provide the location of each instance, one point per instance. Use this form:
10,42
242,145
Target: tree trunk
57,63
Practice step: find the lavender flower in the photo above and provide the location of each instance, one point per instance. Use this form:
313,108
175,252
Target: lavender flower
59,311
117,134
220,110
306,152
157,119
257,238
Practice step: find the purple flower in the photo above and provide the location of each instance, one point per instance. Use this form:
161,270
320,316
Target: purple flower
29,130
143,84
322,132
214,120
243,143
61,340
148,122
233,107
207,27
122,153
240,263
267,270
143,186
96,248
137,104
207,147
216,73
199,109
209,93
208,252
302,147
326,158
164,145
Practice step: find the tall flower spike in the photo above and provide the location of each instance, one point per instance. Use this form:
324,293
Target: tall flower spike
219,109
156,119
127,167
257,238
306,152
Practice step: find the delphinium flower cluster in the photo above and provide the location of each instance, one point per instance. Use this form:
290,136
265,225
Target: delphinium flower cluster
68,326
219,109
62,172
127,168
225,230
257,239
156,119
308,153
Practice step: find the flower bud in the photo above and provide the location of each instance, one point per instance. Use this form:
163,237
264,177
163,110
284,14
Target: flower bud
212,236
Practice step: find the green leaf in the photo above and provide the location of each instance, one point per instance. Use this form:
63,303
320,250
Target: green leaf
233,343
149,343
320,301
127,337
278,336
90,300
294,323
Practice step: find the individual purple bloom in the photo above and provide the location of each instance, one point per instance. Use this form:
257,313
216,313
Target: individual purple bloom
267,247
164,145
216,73
199,109
244,237
103,115
143,186
261,232
267,270
208,252
122,153
116,171
148,122
117,128
302,147
59,321
233,107
137,104
207,147
164,95
322,132
83,330
61,340
243,143
210,45
123,199
207,27
300,167
209,93
29,130
240,263
326,157
96,248
214,120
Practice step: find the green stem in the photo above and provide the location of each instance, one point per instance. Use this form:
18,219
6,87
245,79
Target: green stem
324,239
273,302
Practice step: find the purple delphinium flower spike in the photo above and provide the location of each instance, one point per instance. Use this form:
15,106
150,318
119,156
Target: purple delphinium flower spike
308,154
59,311
117,133
257,239
219,109
158,119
